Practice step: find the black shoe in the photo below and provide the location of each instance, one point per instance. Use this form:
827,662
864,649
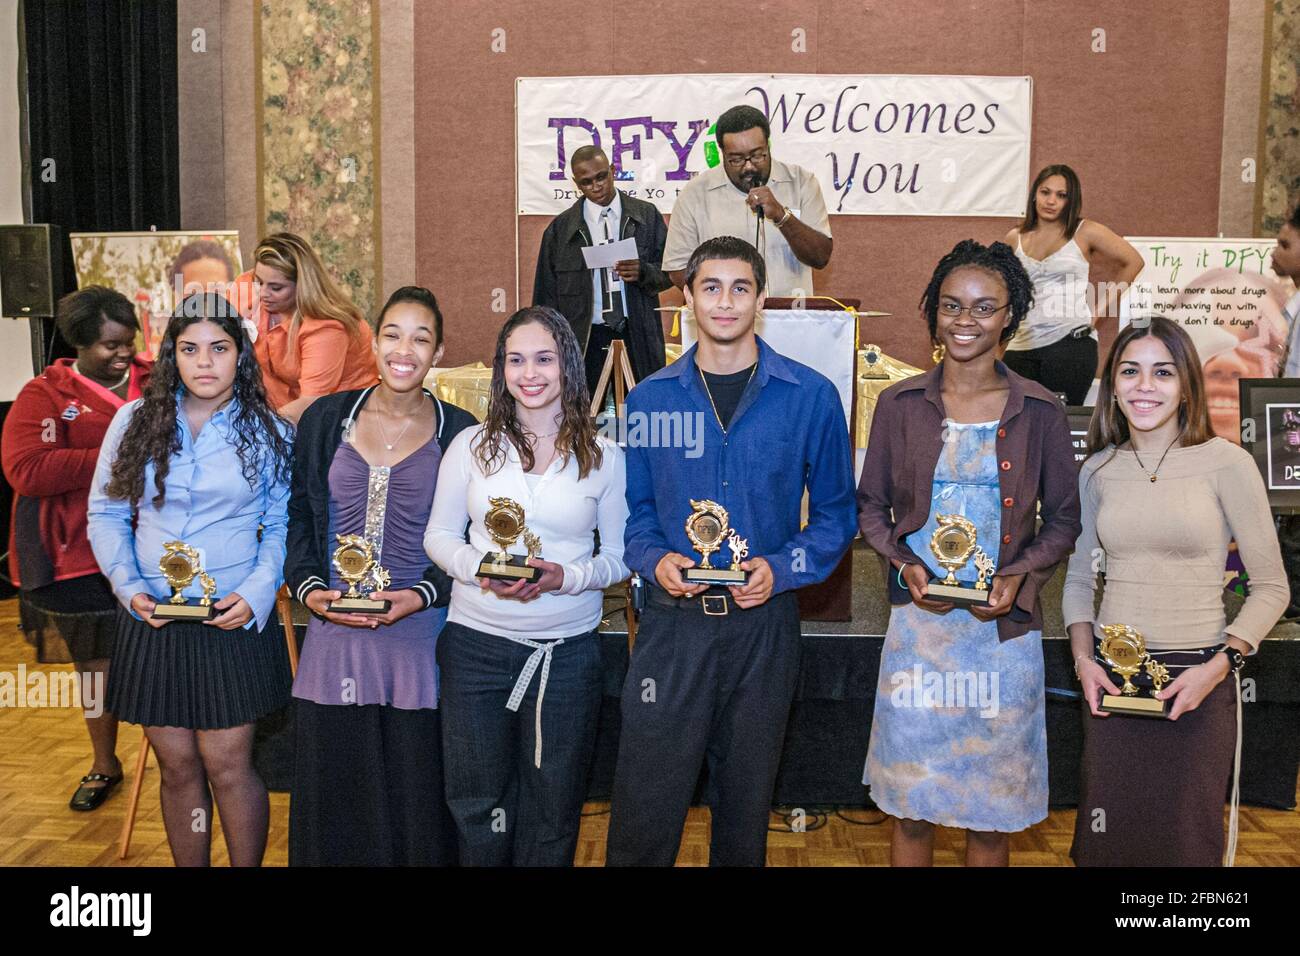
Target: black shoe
89,798
1292,613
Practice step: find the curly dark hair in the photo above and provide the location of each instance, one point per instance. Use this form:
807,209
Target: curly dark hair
154,435
998,258
577,434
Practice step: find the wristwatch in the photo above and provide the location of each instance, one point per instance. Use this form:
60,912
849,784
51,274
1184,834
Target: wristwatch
1236,659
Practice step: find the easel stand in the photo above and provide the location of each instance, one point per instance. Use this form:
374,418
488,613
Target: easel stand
623,382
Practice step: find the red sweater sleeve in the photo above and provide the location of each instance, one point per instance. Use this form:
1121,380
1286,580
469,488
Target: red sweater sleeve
35,466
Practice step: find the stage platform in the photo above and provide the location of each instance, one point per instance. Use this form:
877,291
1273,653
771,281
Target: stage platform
830,723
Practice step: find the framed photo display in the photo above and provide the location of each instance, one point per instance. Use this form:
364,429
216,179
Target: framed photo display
1270,431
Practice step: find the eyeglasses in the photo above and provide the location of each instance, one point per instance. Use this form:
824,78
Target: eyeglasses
757,157
983,310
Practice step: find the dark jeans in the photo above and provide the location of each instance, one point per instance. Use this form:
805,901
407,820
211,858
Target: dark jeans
597,350
1065,366
507,810
702,688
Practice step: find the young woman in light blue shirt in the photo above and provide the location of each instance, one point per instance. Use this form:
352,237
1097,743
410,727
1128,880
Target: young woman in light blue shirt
200,459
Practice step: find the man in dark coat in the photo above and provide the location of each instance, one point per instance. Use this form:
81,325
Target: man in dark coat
605,304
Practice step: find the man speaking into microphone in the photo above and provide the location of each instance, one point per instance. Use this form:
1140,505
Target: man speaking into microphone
774,205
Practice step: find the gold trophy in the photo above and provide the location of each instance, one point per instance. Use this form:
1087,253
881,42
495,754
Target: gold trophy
354,560
709,529
180,565
505,524
1125,650
953,544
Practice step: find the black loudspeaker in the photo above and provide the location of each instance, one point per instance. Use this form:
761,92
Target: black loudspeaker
29,261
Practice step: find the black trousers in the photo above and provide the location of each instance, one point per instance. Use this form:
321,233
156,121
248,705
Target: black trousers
699,689
1065,366
597,349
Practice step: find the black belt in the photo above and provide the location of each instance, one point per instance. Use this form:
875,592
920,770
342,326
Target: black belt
715,602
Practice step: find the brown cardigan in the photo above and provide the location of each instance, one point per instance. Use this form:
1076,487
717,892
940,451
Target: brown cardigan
1036,462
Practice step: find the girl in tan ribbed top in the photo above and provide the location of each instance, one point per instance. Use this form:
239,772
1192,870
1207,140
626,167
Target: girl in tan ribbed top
1162,498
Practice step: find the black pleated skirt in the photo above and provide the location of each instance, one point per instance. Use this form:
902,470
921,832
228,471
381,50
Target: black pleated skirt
368,788
70,621
195,675
1152,792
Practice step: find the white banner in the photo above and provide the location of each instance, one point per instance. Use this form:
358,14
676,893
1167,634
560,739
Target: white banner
822,339
879,145
1224,292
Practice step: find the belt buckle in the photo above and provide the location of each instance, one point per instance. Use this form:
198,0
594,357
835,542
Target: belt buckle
715,605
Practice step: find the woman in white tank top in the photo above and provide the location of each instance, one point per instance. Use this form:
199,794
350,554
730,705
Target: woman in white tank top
1056,344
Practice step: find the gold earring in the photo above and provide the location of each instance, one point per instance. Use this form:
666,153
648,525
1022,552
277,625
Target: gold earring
938,353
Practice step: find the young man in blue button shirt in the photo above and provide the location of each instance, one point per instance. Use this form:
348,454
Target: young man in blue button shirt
714,669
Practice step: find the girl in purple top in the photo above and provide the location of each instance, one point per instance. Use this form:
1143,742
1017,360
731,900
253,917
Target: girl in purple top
368,787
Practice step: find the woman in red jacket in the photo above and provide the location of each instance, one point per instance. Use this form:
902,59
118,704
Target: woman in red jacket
50,446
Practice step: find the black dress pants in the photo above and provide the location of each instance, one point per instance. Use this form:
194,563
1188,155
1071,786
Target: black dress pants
703,688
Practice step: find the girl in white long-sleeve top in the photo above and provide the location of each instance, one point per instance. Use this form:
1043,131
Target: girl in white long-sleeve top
520,662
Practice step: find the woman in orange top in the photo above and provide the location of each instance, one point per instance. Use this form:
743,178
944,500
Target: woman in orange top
311,341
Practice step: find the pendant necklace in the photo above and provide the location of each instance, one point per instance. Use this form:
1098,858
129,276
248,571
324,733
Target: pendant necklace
379,420
1152,474
705,382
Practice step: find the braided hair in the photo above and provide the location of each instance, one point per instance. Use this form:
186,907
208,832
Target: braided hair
998,258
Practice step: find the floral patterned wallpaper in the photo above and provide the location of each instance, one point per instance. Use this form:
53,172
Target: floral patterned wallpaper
317,152
1281,166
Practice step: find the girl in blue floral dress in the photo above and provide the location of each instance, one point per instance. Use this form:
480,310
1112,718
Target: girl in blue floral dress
959,734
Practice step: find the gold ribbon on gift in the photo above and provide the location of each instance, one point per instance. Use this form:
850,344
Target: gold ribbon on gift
876,371
468,386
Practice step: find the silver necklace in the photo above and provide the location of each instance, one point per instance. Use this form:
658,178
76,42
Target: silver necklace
379,420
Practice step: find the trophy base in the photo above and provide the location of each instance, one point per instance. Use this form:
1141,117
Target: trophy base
514,569
1140,706
166,611
359,605
963,595
723,576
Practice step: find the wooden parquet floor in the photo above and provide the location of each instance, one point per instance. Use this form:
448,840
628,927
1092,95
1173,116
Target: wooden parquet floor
44,751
